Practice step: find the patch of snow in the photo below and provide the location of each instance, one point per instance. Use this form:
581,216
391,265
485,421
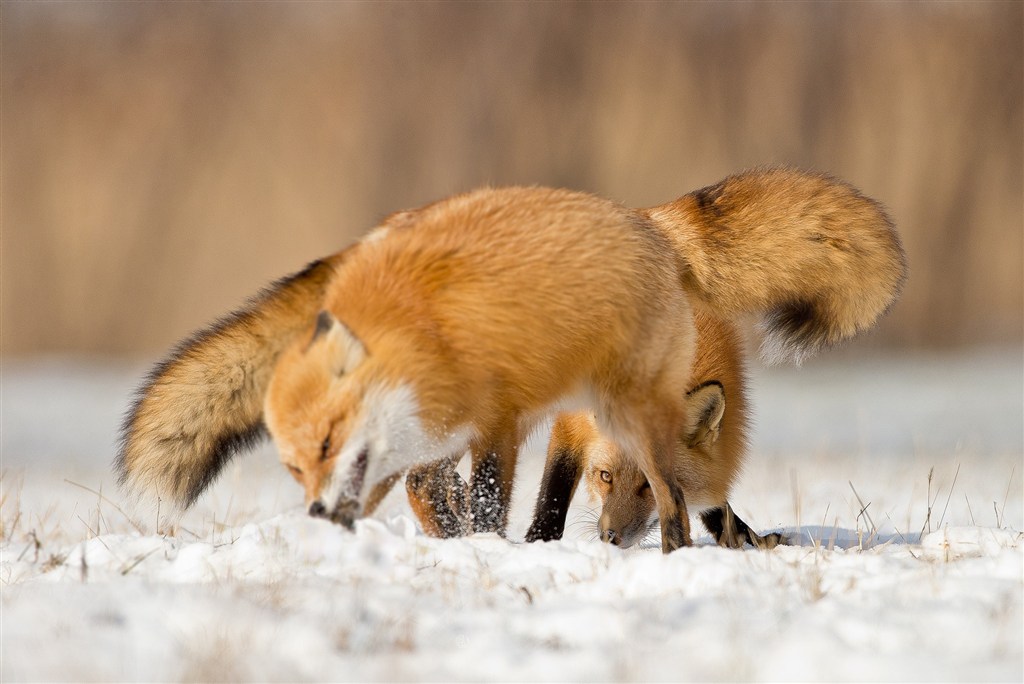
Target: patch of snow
889,576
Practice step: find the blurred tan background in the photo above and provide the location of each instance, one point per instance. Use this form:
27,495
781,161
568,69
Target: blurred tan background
162,161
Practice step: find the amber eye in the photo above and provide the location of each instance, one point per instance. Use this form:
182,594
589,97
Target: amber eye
606,476
325,448
295,470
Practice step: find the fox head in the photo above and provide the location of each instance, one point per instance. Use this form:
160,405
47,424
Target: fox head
344,427
628,511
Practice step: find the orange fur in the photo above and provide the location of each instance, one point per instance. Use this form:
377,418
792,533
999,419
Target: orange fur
707,468
709,450
496,306
461,324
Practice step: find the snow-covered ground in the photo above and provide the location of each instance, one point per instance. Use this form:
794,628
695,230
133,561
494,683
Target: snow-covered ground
925,584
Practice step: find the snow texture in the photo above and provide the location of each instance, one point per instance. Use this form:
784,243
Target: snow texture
891,576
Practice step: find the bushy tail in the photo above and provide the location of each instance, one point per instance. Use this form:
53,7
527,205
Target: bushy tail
817,259
204,402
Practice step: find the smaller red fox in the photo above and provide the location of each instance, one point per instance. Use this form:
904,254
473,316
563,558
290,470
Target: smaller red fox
708,456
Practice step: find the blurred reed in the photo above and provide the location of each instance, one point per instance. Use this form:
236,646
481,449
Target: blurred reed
161,161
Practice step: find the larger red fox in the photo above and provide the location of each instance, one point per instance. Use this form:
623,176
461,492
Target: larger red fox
463,323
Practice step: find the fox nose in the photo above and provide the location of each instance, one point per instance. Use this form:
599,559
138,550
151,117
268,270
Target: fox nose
611,537
317,509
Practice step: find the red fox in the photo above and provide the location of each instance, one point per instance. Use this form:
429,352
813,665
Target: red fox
708,456
462,324
204,403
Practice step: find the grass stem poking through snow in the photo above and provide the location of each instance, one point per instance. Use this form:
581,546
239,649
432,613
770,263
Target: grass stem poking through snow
117,508
864,512
928,501
902,538
824,521
1009,482
955,475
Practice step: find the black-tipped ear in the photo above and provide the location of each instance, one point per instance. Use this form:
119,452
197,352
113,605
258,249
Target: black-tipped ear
345,351
324,322
705,407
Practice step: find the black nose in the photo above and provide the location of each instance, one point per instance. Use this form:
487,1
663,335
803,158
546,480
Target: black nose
611,537
317,509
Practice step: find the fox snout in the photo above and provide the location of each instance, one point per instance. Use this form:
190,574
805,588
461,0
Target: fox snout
343,509
608,532
624,532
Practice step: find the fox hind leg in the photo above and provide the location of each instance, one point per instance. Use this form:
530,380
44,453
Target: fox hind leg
730,531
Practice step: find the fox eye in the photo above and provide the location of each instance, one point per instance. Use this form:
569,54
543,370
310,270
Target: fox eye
643,488
297,471
606,476
325,448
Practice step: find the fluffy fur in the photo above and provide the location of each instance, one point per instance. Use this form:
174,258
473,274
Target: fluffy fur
709,454
204,403
492,307
781,233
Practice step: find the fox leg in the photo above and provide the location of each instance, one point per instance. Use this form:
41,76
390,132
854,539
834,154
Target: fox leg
493,474
729,530
562,471
646,430
438,497
668,498
653,452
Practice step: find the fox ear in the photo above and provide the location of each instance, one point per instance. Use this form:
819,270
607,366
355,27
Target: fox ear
346,351
705,406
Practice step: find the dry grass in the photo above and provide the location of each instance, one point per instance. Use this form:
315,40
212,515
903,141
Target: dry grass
163,160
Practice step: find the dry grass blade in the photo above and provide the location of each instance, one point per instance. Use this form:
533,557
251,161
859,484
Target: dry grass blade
1009,482
138,559
902,538
955,476
864,509
117,508
969,511
930,503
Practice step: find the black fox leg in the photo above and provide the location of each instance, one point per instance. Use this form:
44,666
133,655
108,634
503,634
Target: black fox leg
491,480
561,476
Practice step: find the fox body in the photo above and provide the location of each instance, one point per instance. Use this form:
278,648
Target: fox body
500,306
494,317
462,324
709,453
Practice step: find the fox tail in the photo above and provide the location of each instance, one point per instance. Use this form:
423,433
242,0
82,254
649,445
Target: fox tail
204,403
817,259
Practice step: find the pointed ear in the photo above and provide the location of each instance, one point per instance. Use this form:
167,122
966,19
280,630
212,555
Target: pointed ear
705,406
345,350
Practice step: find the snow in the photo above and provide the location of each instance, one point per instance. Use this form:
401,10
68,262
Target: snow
927,584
